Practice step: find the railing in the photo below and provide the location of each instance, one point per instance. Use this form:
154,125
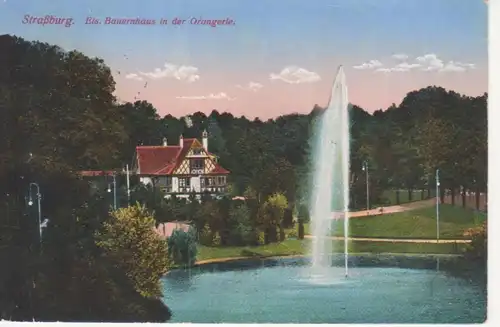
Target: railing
211,189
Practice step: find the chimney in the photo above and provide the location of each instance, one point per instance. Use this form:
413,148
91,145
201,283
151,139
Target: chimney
204,139
181,141
165,141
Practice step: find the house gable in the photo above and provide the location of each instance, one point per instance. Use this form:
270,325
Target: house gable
196,150
175,160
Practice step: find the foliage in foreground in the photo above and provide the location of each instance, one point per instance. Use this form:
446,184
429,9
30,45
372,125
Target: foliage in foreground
478,248
130,240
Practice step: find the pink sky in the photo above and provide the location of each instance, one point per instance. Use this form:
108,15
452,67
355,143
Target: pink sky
367,88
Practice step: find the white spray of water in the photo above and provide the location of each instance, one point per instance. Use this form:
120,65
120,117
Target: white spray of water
330,189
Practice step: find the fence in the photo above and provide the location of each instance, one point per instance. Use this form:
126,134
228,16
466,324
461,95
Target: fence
470,200
416,195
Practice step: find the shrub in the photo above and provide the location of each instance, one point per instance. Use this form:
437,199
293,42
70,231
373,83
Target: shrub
292,234
129,239
182,248
216,239
261,238
240,227
206,236
477,249
270,217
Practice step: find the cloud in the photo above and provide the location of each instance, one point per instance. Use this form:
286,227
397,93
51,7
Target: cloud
369,65
187,74
134,77
401,68
211,96
295,75
251,86
456,67
400,56
431,62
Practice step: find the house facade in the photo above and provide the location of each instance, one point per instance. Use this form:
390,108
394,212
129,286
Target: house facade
181,169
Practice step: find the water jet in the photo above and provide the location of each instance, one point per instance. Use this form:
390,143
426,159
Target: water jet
330,187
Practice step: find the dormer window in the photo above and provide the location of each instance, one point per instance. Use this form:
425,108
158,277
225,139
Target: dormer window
197,164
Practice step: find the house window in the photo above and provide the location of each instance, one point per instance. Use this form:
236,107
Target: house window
221,180
184,182
165,181
207,181
197,164
197,152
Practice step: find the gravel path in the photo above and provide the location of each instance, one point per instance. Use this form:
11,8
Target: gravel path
386,210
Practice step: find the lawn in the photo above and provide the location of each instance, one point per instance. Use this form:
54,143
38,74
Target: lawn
300,247
288,247
417,223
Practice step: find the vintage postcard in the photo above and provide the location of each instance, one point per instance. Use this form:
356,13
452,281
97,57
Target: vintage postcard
192,161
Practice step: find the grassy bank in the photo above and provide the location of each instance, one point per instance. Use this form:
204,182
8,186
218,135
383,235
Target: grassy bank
301,247
417,223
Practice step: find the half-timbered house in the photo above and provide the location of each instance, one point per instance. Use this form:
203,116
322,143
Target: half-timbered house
181,169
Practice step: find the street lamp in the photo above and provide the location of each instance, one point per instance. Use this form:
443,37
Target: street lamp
30,203
114,190
437,204
365,169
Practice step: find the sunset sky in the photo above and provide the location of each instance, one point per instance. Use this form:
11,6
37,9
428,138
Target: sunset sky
279,57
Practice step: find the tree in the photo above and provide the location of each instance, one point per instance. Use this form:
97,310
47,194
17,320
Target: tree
240,227
435,148
211,214
182,247
216,141
278,177
58,115
129,240
142,125
270,217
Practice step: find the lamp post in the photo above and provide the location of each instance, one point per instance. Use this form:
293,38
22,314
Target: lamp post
365,169
114,191
30,203
128,184
437,204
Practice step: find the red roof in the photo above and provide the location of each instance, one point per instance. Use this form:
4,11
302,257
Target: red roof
163,160
218,170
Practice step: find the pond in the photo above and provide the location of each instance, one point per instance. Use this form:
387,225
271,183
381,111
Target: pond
379,289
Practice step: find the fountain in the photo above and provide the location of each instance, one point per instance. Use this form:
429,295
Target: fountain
330,189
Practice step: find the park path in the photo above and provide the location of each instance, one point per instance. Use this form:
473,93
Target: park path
393,240
389,209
